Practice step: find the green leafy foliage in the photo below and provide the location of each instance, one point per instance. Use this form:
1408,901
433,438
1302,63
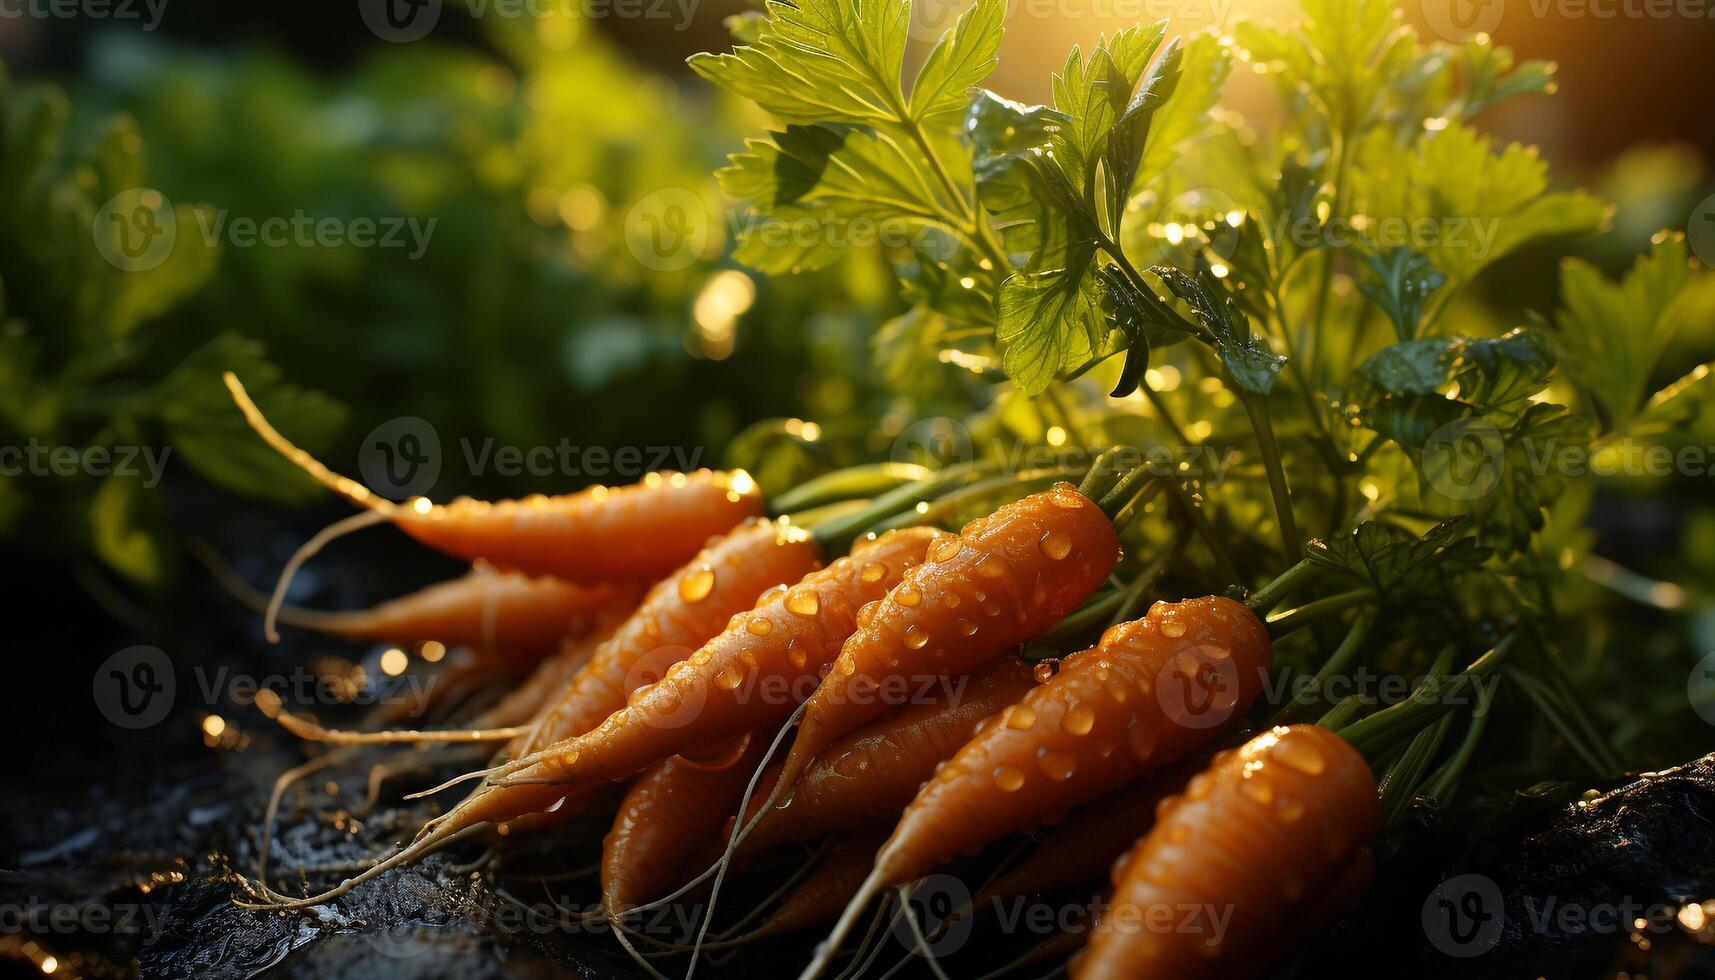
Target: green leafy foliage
1404,280
1247,358
1396,562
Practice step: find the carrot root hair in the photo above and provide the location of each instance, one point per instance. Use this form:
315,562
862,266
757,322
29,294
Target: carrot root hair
309,549
874,885
346,487
309,731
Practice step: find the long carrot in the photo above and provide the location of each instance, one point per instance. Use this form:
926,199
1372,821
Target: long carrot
823,893
602,534
1260,835
1002,580
1148,693
668,818
748,677
866,778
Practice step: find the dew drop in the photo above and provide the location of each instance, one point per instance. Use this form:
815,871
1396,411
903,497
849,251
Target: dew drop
991,567
916,638
872,572
966,627
1056,764
796,655
1079,720
1056,545
1021,717
1117,691
1199,787
759,626
847,664
950,600
696,586
1289,809
1258,789
907,596
1172,628
802,602
1008,779
946,548
1297,754
701,657
1046,669
1141,739
729,678
866,613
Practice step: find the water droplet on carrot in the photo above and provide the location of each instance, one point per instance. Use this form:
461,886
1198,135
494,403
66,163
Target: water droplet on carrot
946,548
1021,716
916,638
866,613
1117,690
1046,669
1257,788
907,596
1297,754
729,678
1173,628
1079,720
1056,764
802,602
1008,779
1141,739
847,664
696,586
1289,809
950,600
872,572
1056,545
759,626
966,627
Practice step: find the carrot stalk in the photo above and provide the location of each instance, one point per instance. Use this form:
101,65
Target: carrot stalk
857,481
1335,665
1292,620
1287,583
1376,734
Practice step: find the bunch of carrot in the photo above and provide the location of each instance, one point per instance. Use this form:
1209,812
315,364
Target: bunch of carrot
887,662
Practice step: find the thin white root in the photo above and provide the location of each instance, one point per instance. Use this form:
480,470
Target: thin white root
310,549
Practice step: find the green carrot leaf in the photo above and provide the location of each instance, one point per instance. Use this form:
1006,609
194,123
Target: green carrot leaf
1247,357
1404,280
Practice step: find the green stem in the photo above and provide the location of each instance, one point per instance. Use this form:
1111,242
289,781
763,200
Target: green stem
856,481
1374,735
1288,582
1310,612
1342,714
1009,485
1398,788
836,536
1276,474
1103,473
983,234
1445,780
1192,513
1127,487
1335,665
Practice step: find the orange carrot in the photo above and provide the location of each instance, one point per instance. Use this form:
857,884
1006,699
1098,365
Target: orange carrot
825,891
1002,580
602,534
669,818
752,675
1261,835
1085,845
1147,694
512,617
749,677
867,777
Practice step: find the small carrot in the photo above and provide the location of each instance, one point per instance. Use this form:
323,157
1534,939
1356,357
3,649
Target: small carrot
633,533
823,893
668,818
1002,580
1261,834
866,778
1148,693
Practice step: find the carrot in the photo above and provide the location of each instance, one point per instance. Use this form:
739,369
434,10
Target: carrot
1148,693
632,533
1085,845
868,776
741,680
821,896
668,818
1260,835
1005,578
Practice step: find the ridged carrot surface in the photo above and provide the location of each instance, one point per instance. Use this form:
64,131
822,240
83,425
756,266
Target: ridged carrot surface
750,676
1262,834
670,815
680,613
866,778
1002,580
1150,692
